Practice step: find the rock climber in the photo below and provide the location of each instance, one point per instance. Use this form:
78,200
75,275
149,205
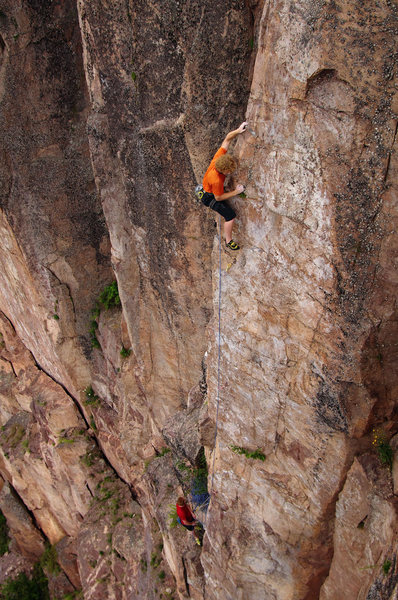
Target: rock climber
213,194
187,517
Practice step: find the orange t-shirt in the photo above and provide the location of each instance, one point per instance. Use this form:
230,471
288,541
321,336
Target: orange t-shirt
213,181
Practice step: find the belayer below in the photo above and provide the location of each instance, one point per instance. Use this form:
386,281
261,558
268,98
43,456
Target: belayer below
187,518
213,194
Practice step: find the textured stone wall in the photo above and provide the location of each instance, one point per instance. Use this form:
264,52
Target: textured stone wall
309,313
148,98
57,246
109,114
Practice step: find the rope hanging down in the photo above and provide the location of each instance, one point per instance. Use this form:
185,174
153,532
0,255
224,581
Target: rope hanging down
196,499
219,353
218,379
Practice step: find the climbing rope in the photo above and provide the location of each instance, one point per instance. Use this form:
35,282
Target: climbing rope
219,352
218,372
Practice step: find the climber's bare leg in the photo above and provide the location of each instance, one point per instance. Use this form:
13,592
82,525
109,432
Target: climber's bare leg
228,225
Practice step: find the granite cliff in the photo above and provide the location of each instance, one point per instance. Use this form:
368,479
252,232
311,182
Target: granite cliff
111,361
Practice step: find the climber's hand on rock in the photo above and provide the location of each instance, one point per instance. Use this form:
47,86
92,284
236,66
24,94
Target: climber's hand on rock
239,188
243,127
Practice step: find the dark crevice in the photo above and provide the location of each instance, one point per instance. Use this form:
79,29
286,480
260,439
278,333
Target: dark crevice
62,283
385,584
319,78
254,19
94,437
35,524
315,585
89,491
30,513
40,368
361,524
185,576
74,400
11,365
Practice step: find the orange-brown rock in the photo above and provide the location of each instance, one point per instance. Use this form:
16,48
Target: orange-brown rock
29,540
109,113
43,440
56,247
308,306
365,533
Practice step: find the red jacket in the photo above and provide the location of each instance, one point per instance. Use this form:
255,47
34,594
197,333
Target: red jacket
185,514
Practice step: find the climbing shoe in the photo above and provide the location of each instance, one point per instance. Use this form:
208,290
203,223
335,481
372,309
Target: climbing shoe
232,245
197,540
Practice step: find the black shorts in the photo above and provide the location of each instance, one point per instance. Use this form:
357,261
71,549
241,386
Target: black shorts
189,527
221,207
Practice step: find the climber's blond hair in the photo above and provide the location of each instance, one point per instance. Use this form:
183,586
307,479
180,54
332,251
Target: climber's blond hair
226,164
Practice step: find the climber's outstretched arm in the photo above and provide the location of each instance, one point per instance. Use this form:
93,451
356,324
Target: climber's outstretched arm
232,134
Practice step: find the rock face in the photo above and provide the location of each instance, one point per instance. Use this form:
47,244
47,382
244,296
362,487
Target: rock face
308,309
109,114
56,256
365,531
29,541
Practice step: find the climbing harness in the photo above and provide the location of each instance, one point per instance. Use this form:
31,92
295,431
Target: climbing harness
200,194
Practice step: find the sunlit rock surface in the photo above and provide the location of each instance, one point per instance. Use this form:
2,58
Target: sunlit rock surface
308,306
109,114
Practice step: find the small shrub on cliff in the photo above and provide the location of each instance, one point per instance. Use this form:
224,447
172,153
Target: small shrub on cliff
109,297
194,478
383,448
173,516
93,337
155,560
73,595
163,451
4,539
125,352
256,454
199,477
25,588
14,435
143,565
49,560
91,397
65,440
56,315
90,457
386,566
